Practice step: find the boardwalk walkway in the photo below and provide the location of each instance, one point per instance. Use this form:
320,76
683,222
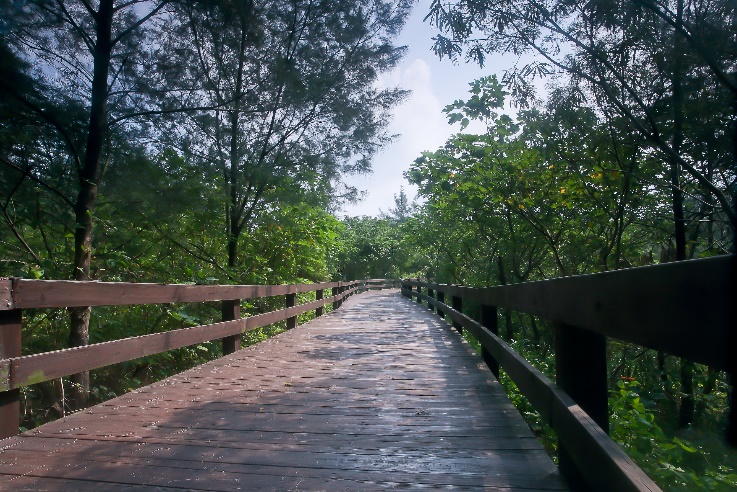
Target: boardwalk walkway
378,394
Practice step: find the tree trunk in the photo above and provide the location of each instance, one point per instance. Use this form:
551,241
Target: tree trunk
709,386
89,177
688,404
507,313
535,330
686,411
236,215
232,249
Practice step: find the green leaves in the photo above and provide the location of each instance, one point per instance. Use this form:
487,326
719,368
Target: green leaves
675,463
487,94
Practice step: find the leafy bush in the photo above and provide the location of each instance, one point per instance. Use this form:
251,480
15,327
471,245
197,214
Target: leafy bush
674,463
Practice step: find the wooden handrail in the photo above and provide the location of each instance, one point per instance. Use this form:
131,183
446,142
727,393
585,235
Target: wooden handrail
655,306
16,294
659,307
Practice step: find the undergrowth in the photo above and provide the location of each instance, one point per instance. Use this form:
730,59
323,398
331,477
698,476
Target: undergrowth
674,462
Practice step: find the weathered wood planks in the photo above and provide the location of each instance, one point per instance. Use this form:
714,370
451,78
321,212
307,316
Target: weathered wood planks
18,293
599,463
379,394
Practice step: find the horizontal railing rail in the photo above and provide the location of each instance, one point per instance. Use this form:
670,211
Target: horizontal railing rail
17,371
686,309
383,283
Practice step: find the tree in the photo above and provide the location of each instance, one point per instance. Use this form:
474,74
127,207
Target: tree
653,63
88,55
559,191
380,247
402,209
296,104
649,62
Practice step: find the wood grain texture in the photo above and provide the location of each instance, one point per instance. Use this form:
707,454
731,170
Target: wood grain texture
379,394
10,346
658,306
604,465
33,369
6,294
68,293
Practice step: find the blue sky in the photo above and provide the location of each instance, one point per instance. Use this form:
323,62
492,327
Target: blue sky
419,120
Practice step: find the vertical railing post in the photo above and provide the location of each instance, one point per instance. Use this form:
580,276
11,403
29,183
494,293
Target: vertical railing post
11,323
430,293
489,319
419,291
406,288
231,310
335,292
318,296
457,304
441,299
291,301
581,371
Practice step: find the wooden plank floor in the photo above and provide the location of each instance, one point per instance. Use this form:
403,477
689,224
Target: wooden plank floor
379,394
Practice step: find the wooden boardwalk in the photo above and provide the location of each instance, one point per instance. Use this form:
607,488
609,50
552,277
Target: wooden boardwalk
380,394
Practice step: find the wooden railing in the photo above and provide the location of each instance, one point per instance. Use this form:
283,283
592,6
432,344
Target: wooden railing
17,294
382,283
685,309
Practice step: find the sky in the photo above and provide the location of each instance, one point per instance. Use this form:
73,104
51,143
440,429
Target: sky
419,121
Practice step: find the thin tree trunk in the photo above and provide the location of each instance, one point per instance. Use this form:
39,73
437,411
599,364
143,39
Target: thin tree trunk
507,313
89,177
709,387
535,330
236,214
688,404
686,411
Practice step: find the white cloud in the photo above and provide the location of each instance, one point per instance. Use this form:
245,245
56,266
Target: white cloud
420,120
421,125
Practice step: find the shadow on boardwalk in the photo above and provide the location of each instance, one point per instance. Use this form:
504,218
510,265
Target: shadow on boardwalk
379,394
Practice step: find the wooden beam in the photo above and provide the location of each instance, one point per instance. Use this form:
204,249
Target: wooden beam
32,369
489,319
291,301
441,300
457,304
603,464
11,323
69,293
321,309
655,306
581,371
231,311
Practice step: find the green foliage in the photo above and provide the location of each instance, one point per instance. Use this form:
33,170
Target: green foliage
383,247
545,362
651,68
487,95
550,194
293,96
673,462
